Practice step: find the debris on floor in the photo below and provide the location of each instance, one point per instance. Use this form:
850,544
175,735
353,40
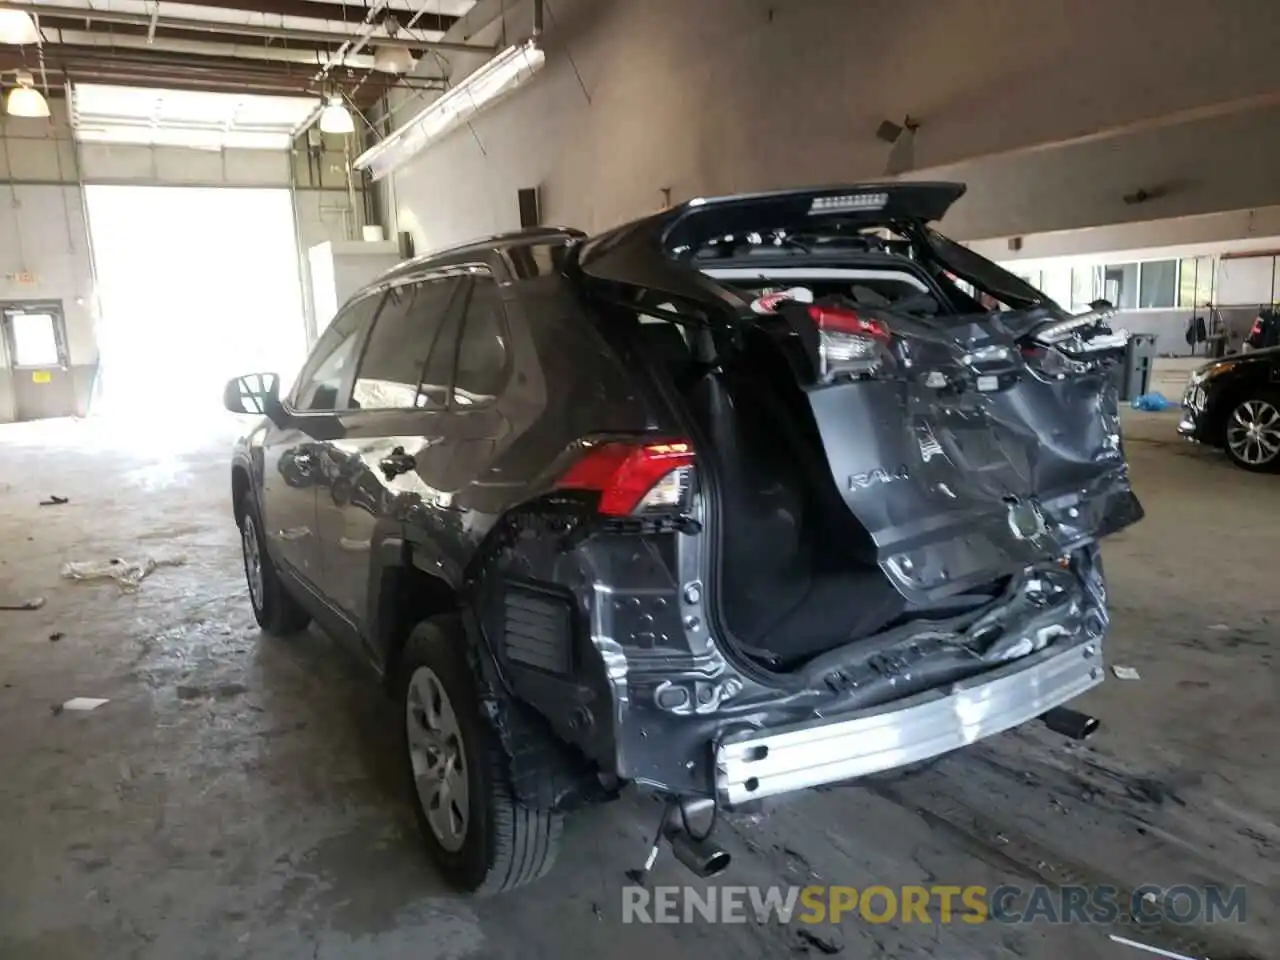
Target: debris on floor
1125,673
81,704
55,501
35,603
1153,402
128,573
826,943
56,636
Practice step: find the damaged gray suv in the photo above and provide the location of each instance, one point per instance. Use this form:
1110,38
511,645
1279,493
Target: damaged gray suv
755,494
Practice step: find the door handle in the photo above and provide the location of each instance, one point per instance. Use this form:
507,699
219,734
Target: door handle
396,463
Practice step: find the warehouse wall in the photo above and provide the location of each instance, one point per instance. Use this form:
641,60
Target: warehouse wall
1222,163
44,243
1239,229
731,95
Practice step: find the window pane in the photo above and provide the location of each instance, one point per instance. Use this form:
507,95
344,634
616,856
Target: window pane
1159,283
330,364
482,354
1205,267
34,342
1187,282
1120,285
1057,284
1083,290
403,338
321,391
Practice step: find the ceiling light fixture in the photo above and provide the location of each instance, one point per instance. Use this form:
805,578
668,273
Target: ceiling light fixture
25,100
508,70
17,27
336,118
392,59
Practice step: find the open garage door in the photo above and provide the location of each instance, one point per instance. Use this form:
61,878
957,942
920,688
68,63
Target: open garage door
197,285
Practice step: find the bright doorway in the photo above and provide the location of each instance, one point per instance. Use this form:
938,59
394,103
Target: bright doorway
196,285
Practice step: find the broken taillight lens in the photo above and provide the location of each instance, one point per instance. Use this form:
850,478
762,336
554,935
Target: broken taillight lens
849,344
634,478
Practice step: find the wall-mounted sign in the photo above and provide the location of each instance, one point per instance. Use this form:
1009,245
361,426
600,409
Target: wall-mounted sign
41,376
25,277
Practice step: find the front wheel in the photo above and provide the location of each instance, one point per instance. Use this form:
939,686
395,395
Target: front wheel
1253,432
274,608
480,836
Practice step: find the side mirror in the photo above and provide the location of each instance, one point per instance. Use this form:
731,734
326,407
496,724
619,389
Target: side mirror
1101,305
253,393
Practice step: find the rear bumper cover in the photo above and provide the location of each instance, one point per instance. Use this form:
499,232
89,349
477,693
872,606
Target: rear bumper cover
755,765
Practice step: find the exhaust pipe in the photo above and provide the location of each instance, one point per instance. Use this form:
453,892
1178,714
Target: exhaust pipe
704,857
1070,723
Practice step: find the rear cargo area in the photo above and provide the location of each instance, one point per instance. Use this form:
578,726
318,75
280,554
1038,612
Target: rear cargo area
798,571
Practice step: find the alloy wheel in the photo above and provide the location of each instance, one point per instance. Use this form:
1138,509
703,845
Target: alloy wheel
439,759
252,559
1253,432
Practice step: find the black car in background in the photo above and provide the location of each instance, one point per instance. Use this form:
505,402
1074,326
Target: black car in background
746,497
1234,402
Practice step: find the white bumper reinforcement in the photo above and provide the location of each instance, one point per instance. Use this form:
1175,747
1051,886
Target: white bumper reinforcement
766,763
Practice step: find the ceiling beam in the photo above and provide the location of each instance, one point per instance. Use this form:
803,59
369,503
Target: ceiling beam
183,72
378,37
196,46
316,10
70,24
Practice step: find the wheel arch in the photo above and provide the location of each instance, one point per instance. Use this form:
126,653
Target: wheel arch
240,485
408,589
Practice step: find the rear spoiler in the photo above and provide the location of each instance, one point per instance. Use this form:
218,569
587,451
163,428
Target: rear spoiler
701,220
645,254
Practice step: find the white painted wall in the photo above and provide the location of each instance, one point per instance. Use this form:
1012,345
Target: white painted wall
721,96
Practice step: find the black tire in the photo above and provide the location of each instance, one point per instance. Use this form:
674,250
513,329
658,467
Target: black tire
505,844
1253,406
275,609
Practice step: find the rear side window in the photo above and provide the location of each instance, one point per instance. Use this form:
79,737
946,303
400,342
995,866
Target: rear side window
394,372
320,386
482,352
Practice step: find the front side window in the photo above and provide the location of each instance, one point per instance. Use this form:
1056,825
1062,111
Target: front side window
482,351
394,372
320,387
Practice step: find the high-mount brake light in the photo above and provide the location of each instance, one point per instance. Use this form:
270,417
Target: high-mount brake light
634,478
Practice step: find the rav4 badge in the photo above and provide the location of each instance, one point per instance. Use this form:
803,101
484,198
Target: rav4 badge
861,481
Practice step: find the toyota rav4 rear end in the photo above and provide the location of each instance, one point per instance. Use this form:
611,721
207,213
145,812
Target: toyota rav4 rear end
859,525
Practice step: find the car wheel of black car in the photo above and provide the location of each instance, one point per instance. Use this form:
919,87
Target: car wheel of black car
275,610
1253,432
482,838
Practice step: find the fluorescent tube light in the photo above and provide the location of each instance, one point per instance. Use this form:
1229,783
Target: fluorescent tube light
508,70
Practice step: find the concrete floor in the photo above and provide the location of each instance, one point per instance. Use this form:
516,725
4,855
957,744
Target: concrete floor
239,795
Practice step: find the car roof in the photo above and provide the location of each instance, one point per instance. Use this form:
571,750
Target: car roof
530,236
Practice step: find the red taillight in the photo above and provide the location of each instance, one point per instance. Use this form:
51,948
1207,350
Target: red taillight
849,345
626,474
841,320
